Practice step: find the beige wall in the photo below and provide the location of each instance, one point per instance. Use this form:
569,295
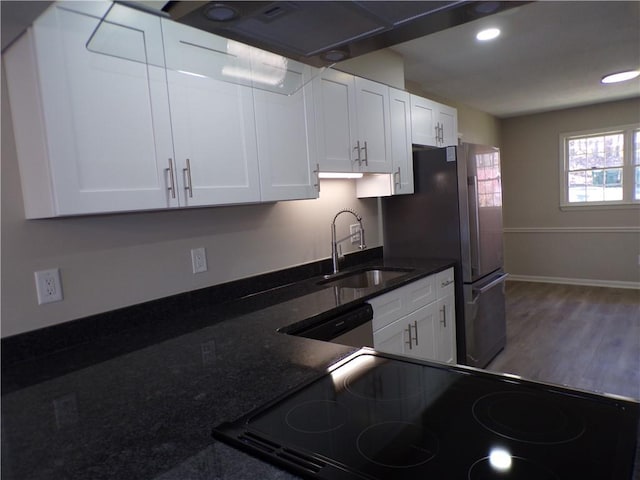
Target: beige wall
113,261
543,242
384,66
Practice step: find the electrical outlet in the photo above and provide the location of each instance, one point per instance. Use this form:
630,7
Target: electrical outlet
48,286
355,233
199,260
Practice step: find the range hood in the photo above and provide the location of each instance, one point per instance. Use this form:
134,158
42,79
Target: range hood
321,33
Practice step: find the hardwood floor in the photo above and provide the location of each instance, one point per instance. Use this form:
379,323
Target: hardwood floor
583,337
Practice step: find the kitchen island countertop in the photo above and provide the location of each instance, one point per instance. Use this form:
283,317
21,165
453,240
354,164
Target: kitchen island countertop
147,413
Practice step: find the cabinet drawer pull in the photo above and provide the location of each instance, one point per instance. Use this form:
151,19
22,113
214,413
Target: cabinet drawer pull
187,171
444,316
446,283
171,186
398,182
415,326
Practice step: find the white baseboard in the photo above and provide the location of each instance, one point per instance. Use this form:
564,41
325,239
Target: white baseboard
574,281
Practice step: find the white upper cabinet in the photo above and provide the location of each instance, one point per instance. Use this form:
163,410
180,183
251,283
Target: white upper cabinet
137,113
92,130
448,120
423,121
214,134
374,127
335,109
352,123
401,152
432,123
285,127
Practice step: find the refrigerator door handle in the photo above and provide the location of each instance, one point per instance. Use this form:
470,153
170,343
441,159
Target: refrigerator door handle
490,285
474,223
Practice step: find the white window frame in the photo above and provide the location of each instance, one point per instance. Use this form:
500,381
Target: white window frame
628,169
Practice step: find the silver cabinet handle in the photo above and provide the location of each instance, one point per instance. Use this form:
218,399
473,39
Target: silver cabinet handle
408,330
317,172
366,154
357,147
187,171
172,183
412,341
446,283
399,181
444,316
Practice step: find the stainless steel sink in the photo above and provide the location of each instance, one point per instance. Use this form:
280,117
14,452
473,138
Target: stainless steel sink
364,278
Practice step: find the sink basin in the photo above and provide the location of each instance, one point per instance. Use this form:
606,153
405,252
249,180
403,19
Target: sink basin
364,278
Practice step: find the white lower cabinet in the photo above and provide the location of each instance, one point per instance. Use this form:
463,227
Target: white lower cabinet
445,327
418,319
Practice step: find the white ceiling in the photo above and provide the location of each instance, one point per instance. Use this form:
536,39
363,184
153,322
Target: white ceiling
550,55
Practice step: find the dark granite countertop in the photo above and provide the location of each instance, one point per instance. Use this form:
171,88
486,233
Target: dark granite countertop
141,404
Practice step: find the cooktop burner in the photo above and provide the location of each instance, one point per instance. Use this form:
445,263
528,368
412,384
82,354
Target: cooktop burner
509,468
380,416
317,416
412,444
528,417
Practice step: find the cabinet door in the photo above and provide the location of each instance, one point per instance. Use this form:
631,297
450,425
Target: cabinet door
394,338
285,128
94,127
374,126
335,109
401,154
213,120
446,330
448,122
424,118
412,335
423,323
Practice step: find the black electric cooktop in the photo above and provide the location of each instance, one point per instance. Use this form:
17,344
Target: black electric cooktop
379,416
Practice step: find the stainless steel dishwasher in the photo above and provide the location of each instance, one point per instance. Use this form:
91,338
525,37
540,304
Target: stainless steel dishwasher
353,328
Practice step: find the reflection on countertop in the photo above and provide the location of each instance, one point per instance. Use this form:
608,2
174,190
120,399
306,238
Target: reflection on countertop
141,403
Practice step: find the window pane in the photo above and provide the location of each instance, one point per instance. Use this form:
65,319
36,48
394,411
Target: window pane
636,144
637,195
613,184
577,153
577,187
614,150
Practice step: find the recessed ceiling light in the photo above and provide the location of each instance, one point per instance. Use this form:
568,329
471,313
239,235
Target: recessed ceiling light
488,34
620,76
219,12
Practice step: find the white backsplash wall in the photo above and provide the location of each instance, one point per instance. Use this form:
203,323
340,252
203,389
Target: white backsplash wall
108,262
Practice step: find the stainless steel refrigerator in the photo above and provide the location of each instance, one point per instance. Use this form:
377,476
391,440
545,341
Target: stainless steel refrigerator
456,213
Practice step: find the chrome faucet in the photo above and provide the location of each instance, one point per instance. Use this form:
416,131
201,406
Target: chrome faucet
334,242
